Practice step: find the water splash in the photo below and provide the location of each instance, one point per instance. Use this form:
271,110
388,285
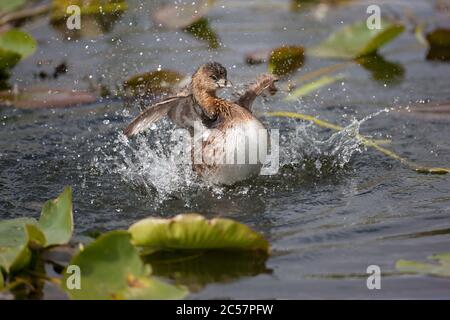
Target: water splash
151,163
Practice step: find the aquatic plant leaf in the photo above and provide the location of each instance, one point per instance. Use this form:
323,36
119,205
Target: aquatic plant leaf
181,16
356,40
441,269
111,268
201,30
18,42
286,59
56,219
35,98
312,86
439,38
152,83
439,44
14,251
10,5
193,231
8,59
87,7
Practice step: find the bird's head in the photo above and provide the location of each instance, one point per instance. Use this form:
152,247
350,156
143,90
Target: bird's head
211,77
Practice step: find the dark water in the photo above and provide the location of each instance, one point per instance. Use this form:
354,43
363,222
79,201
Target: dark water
326,222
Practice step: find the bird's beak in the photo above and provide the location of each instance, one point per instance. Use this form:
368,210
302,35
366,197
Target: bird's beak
224,83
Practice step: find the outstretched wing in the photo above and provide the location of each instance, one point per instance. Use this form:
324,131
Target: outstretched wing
263,82
153,114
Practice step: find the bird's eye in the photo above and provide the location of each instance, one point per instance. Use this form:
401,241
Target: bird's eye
214,77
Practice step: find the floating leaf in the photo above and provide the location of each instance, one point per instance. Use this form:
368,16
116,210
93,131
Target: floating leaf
312,86
56,219
201,30
439,44
286,59
196,269
87,7
181,16
152,83
8,59
356,40
98,16
382,70
193,231
442,269
33,98
19,42
111,268
14,252
10,5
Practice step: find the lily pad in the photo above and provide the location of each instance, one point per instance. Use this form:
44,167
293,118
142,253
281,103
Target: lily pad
181,16
152,83
442,269
356,40
97,16
193,231
19,42
56,219
35,98
87,7
286,59
14,252
439,44
111,268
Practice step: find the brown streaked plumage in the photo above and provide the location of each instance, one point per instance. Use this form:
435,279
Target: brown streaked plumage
220,119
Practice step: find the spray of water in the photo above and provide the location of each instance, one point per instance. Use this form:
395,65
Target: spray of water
152,162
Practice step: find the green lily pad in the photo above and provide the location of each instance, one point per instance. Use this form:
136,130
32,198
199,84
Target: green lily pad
8,59
439,38
19,42
286,59
356,40
193,231
10,5
87,7
111,268
56,219
97,16
152,83
440,270
14,251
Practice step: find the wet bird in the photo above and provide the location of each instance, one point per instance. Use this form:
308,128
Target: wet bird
222,124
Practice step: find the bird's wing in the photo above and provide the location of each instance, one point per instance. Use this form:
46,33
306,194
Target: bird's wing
154,113
265,82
